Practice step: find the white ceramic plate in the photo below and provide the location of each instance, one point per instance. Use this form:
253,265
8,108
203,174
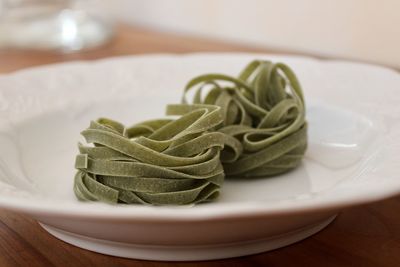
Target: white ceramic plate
353,155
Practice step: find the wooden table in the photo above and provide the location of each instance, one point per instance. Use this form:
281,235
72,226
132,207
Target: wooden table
362,236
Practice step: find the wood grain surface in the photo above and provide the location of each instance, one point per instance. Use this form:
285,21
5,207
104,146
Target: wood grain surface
366,236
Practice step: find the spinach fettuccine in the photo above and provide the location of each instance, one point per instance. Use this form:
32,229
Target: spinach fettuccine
264,109
159,162
252,125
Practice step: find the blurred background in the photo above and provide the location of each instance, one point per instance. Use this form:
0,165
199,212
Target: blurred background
365,30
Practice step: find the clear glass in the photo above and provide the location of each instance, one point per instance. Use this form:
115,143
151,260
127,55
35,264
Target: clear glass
51,25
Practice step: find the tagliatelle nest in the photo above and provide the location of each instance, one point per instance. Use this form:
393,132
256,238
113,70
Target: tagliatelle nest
264,109
157,162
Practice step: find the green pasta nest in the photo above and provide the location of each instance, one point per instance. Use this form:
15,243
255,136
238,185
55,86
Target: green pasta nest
264,109
159,162
252,125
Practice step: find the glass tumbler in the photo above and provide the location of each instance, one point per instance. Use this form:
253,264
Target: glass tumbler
52,25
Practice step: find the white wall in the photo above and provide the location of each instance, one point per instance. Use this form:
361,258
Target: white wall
360,29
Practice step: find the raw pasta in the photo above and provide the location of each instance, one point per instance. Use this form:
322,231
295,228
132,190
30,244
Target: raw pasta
250,126
264,109
159,162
